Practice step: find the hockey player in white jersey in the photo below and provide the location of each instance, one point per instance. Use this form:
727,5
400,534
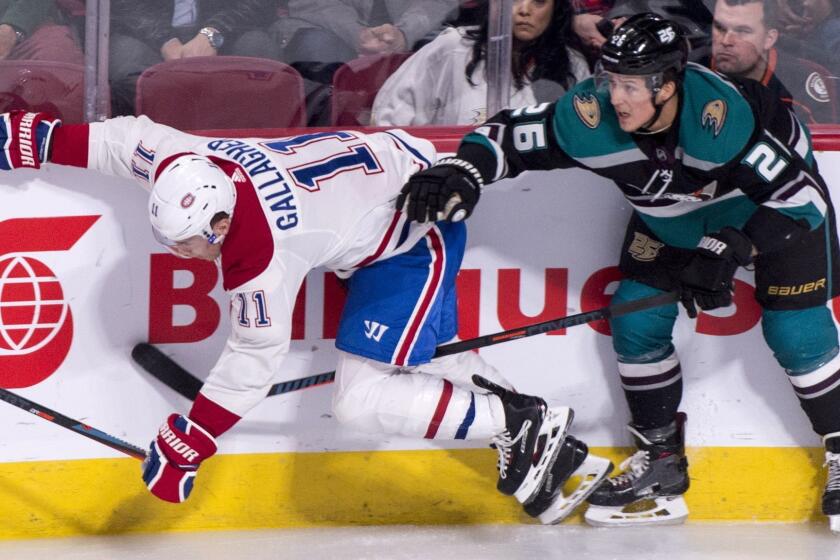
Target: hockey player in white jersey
271,210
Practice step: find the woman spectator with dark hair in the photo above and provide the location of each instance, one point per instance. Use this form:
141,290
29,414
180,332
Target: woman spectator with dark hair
445,81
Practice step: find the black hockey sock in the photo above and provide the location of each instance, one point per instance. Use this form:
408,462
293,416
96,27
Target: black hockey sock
654,408
824,414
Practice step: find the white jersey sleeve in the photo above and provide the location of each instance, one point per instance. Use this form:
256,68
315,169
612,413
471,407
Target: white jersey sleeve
261,332
134,147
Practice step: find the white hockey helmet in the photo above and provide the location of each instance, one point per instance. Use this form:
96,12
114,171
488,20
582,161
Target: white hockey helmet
185,197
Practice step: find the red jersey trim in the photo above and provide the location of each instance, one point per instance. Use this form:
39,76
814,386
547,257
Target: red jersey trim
211,416
70,145
383,244
248,247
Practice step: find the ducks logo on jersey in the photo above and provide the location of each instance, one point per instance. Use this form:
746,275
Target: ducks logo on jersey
588,110
714,115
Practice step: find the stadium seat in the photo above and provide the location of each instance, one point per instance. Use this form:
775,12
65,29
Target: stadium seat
36,85
355,85
217,92
75,8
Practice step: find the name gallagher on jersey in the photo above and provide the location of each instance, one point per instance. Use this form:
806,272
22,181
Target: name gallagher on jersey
273,188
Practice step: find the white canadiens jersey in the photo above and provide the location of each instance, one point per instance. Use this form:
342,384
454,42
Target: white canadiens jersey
319,199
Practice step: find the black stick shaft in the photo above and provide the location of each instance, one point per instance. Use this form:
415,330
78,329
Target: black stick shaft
74,425
186,384
554,324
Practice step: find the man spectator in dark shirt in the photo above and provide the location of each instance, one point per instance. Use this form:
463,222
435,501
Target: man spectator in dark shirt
144,33
744,35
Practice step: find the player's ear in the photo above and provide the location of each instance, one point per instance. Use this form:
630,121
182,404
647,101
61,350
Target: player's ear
222,227
667,91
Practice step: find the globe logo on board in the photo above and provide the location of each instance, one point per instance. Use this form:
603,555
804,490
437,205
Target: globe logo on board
32,306
36,322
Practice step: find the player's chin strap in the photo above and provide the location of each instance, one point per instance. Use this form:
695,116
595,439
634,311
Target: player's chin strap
645,129
657,112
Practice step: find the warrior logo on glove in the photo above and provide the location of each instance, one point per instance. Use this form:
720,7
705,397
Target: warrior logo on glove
25,138
174,457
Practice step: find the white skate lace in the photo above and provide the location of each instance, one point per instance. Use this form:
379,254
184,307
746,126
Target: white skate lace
633,467
503,444
832,461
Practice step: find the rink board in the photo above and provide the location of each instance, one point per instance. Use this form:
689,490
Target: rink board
254,491
541,246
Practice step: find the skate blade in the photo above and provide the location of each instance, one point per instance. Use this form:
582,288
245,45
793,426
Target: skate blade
554,427
662,510
834,524
590,473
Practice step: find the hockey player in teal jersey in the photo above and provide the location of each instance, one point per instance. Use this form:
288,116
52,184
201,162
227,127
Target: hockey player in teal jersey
720,174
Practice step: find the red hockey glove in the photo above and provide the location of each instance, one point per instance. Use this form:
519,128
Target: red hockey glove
26,139
707,280
174,457
449,191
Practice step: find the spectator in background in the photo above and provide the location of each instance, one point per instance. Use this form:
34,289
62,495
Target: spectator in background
144,33
35,30
320,34
744,36
445,82
595,19
591,25
811,29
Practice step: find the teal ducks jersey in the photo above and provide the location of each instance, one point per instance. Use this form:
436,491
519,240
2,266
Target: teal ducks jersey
735,153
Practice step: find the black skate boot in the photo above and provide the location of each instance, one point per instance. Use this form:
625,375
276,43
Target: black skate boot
550,504
657,473
831,495
530,442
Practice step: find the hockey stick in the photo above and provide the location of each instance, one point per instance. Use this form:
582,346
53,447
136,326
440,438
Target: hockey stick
563,322
73,425
165,370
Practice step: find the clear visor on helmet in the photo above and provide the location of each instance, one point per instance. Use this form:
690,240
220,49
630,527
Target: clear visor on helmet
627,86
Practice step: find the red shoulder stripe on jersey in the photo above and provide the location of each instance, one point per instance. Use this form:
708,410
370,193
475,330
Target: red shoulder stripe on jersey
70,145
249,245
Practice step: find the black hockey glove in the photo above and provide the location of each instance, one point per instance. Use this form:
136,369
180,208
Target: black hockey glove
449,191
707,279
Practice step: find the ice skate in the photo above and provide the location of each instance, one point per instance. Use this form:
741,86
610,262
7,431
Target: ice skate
831,495
531,440
551,505
651,487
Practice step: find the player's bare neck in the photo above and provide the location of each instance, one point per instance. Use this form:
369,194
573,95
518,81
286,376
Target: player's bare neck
667,116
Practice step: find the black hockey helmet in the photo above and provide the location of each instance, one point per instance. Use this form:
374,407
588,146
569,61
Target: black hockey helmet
646,44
